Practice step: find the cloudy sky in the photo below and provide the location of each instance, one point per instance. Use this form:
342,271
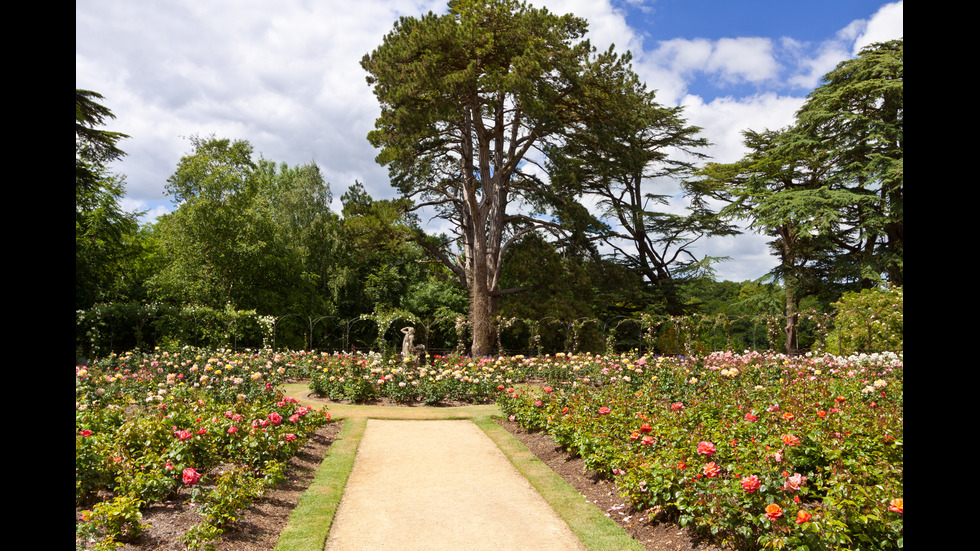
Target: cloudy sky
285,75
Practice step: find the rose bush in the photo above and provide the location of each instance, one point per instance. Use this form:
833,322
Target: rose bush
164,425
756,450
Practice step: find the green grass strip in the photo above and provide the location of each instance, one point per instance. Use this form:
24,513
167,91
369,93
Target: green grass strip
309,524
593,528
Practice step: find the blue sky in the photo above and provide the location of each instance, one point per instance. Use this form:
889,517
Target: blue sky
286,77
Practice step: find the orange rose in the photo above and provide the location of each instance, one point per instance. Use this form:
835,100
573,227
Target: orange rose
773,511
897,505
802,516
711,470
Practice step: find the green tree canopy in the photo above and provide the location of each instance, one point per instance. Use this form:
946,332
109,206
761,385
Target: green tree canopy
629,145
106,237
829,188
856,120
467,100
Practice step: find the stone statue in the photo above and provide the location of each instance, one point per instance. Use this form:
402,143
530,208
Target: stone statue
408,343
410,351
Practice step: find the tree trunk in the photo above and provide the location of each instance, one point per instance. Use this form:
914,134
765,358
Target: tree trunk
792,318
481,307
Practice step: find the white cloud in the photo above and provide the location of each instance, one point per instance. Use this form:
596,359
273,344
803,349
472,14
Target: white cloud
747,59
723,119
888,23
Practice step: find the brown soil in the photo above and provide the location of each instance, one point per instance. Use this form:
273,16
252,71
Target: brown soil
259,527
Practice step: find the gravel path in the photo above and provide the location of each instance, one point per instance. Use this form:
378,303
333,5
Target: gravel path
429,485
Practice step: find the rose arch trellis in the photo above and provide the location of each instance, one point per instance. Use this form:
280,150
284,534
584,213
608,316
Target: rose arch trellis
380,331
674,335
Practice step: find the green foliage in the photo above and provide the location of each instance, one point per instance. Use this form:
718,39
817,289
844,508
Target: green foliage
111,523
234,491
107,241
94,148
856,118
105,328
869,321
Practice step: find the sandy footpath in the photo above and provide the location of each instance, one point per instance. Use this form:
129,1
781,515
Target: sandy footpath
440,485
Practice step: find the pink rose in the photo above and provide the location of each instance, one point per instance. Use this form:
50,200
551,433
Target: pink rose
794,482
751,483
191,476
706,448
